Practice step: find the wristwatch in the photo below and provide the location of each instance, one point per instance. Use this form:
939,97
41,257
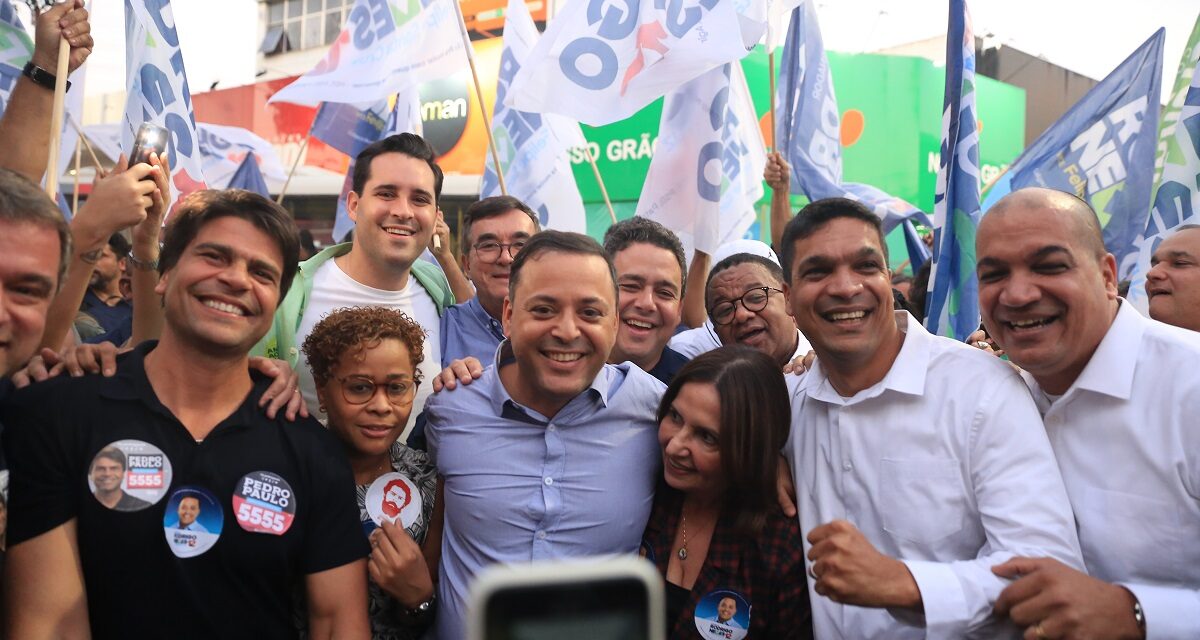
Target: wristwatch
1139,616
423,610
41,76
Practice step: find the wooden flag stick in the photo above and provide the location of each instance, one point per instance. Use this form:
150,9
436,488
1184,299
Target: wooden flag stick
86,144
600,181
56,118
771,98
295,163
487,118
78,157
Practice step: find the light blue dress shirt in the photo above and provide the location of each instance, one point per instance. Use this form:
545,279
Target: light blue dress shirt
521,487
468,330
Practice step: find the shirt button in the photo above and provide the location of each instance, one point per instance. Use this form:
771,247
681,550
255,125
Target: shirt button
293,351
549,481
551,428
846,466
541,535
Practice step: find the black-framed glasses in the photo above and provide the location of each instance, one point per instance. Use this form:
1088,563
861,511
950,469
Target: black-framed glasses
753,300
360,390
489,251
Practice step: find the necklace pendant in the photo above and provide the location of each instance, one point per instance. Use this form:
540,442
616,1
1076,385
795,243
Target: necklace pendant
682,553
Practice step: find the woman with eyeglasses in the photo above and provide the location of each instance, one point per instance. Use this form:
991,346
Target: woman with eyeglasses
732,561
364,361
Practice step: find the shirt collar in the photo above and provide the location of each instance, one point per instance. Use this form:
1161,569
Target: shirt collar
500,398
1111,368
907,374
476,309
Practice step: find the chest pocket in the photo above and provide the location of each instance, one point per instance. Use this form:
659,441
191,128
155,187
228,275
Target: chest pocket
1138,538
922,501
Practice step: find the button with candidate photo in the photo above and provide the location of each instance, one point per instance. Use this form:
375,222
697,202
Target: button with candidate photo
723,614
264,502
129,475
192,521
394,498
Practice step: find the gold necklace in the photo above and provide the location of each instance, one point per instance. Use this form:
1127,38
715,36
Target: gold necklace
683,552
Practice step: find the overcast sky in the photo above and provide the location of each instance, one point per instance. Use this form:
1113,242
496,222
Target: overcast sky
1091,37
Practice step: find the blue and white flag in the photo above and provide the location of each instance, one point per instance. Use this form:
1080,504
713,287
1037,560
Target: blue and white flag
224,148
349,128
404,117
952,306
15,50
601,61
1102,150
918,253
1178,199
808,125
158,91
385,47
743,160
533,147
248,177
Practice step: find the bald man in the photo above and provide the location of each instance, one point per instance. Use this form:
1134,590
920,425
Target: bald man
1173,282
1126,444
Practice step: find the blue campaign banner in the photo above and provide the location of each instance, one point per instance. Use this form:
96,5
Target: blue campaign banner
807,120
350,128
918,253
15,49
952,306
1102,150
248,177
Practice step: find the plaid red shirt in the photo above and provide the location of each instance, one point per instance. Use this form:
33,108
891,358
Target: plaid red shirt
766,570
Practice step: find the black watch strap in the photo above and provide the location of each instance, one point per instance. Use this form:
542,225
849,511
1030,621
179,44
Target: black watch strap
41,76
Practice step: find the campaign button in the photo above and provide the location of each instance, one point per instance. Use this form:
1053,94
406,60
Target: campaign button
192,521
263,502
129,475
395,498
723,614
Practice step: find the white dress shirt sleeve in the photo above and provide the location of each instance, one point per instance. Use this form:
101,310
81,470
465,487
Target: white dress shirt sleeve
1023,507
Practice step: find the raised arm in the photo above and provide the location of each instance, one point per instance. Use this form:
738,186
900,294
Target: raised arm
778,175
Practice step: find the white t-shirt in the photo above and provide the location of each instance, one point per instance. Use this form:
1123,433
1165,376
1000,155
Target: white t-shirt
333,289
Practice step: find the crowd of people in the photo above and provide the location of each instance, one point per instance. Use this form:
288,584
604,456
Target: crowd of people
200,426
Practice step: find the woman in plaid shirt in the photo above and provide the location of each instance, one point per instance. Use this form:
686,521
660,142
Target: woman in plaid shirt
733,563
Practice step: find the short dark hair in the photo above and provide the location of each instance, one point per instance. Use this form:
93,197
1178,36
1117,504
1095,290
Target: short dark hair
409,144
743,258
114,454
755,420
814,216
638,229
490,208
202,207
119,245
23,202
552,241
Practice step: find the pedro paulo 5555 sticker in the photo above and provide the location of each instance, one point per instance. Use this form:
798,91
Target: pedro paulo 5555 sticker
263,502
129,475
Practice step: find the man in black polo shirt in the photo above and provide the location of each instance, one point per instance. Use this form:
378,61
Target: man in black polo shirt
275,499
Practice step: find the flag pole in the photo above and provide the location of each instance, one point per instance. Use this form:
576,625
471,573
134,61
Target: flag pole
56,119
86,144
487,119
78,157
295,163
771,95
587,150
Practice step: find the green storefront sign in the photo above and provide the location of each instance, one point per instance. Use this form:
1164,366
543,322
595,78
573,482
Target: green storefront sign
891,130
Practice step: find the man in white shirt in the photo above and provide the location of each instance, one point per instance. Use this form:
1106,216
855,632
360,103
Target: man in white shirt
1120,396
393,203
919,462
1173,281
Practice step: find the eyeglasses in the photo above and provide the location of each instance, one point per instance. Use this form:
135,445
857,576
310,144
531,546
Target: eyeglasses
490,251
360,390
753,300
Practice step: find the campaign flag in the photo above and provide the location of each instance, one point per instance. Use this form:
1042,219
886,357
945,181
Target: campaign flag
600,61
158,91
743,159
404,116
223,149
1102,150
1178,199
248,177
385,47
1170,113
683,184
808,125
15,49
349,128
918,253
952,306
533,147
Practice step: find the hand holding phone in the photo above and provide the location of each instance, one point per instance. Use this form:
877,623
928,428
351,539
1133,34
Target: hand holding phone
150,138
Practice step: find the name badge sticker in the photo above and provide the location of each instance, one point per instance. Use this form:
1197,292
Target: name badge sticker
129,475
723,614
264,502
192,521
395,498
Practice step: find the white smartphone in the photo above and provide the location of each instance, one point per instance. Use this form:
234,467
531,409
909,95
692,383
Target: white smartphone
618,598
